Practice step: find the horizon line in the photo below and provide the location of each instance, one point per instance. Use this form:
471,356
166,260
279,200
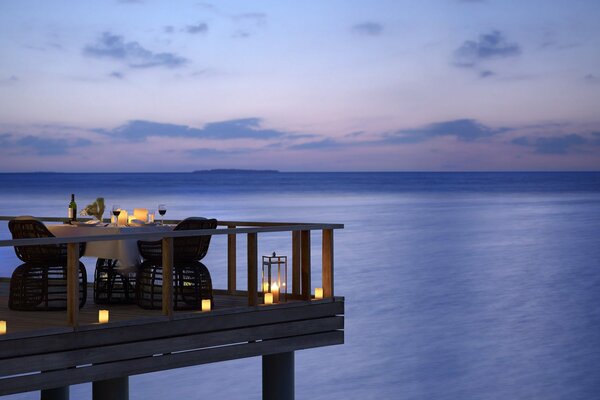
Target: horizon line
241,171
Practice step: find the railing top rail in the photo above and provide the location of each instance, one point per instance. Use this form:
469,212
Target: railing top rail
175,221
172,234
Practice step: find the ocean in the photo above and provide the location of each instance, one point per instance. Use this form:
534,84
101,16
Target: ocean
457,285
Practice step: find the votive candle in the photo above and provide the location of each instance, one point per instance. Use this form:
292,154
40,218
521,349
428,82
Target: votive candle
103,316
2,327
318,293
140,213
268,298
123,218
205,305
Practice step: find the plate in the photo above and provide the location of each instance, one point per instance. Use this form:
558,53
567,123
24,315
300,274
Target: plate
86,223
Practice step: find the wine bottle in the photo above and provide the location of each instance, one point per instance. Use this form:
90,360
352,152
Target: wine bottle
72,209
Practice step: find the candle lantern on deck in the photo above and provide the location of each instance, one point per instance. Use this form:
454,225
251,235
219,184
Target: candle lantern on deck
274,277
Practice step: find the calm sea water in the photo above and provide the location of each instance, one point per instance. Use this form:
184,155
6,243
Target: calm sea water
457,285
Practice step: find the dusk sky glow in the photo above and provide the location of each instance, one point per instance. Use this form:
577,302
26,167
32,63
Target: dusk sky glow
332,85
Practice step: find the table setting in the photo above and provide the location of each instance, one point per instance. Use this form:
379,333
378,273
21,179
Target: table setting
140,220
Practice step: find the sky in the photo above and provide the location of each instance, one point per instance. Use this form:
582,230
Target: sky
336,85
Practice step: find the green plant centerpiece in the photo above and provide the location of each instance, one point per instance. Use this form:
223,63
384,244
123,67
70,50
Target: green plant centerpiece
96,209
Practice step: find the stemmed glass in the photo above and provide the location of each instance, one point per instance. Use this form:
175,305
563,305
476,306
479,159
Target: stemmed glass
116,210
162,210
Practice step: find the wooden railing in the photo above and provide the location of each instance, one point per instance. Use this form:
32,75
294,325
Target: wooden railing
301,261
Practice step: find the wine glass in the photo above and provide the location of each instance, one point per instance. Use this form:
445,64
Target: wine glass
162,210
116,210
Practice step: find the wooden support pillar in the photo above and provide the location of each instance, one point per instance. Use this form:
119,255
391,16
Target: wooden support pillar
73,284
60,393
327,262
305,244
296,254
111,389
231,261
167,288
278,376
252,269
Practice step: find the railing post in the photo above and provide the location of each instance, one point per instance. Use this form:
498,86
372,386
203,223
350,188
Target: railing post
252,269
296,254
73,284
167,277
231,261
305,244
327,262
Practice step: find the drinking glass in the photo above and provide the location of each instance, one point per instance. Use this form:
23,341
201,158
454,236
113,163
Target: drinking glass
162,210
116,210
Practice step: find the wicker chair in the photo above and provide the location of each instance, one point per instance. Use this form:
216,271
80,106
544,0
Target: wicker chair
40,283
112,286
191,279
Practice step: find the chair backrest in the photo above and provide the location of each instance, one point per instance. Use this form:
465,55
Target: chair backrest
27,227
192,248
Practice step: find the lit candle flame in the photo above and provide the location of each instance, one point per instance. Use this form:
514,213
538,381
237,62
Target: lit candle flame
275,291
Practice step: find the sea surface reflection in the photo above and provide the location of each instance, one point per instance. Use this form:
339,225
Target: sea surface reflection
457,286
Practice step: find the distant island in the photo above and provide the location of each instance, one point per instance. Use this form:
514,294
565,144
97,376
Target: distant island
236,171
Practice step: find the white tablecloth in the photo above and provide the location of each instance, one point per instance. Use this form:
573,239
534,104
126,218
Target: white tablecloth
125,251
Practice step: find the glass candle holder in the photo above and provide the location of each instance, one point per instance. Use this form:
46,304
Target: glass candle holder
103,316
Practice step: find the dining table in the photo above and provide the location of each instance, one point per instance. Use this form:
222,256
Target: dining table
124,251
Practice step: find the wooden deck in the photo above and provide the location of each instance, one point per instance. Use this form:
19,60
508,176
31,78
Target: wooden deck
26,321
55,349
42,351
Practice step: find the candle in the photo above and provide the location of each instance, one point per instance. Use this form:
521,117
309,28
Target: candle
265,287
141,214
2,327
102,316
205,305
268,298
318,293
123,217
275,291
